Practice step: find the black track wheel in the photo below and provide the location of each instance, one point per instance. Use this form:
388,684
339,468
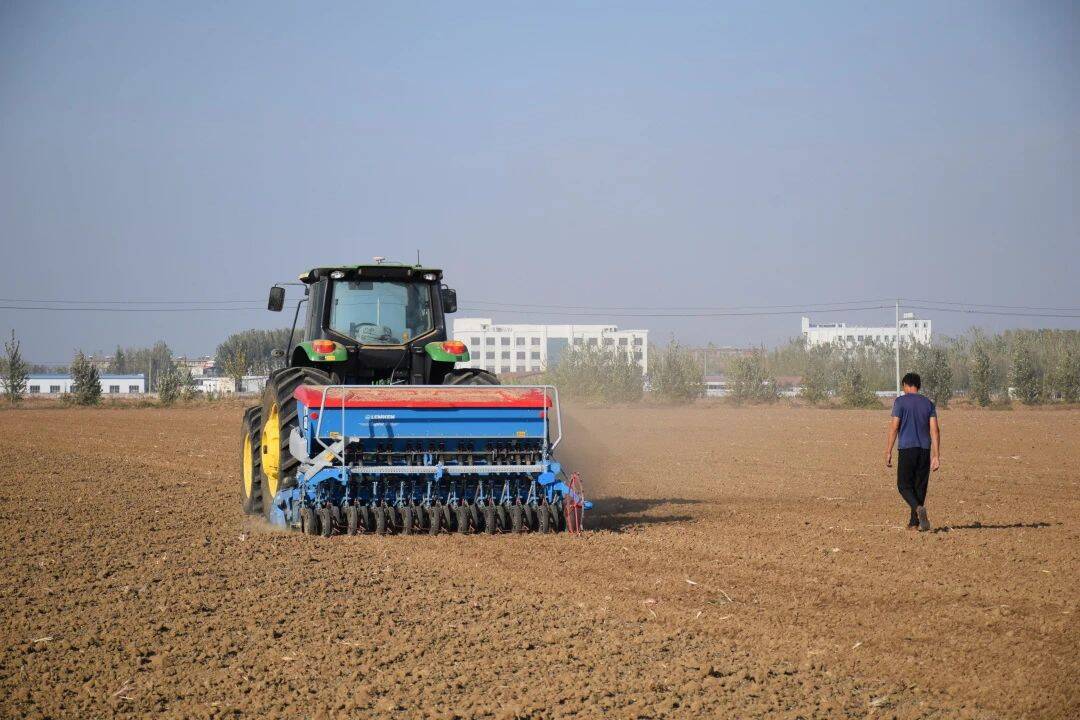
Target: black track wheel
407,520
470,376
251,461
352,519
461,515
309,523
435,518
278,467
517,518
543,520
489,519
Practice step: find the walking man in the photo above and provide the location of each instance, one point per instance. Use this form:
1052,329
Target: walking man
915,422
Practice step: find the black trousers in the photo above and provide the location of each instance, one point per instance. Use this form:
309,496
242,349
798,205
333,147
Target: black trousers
912,477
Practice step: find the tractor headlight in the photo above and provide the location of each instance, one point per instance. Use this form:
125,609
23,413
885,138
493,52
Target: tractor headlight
337,274
431,277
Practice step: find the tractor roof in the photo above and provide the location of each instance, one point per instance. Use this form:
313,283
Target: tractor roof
383,270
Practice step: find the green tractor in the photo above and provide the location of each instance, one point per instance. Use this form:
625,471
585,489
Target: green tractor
378,324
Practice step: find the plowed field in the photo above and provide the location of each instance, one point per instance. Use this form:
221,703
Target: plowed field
742,563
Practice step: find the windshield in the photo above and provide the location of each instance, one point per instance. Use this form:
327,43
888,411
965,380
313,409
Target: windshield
380,312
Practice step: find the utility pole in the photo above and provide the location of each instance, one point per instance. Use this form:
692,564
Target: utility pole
898,347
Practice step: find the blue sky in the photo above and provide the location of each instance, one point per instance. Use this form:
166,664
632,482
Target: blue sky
630,154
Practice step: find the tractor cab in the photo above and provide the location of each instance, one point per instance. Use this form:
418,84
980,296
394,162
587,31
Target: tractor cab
383,323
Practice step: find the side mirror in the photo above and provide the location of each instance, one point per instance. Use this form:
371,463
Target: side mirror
277,299
449,299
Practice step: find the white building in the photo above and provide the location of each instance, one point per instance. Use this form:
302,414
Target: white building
58,384
912,329
533,348
220,385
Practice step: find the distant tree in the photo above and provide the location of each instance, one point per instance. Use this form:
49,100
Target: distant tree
854,391
86,382
598,375
150,361
749,379
816,375
16,373
257,346
982,374
1025,374
932,364
176,383
675,375
168,385
41,368
1064,377
186,383
119,363
236,366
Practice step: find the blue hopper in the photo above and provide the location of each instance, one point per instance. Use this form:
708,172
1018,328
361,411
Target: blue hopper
427,458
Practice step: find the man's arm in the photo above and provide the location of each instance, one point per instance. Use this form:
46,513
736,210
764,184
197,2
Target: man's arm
935,443
894,430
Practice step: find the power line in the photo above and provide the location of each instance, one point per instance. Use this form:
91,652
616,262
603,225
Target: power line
130,302
123,309
968,311
988,305
754,313
681,307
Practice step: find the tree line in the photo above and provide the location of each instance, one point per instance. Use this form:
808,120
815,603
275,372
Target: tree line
1032,366
611,375
248,352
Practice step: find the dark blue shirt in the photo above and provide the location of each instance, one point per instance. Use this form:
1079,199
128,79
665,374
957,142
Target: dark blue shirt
914,411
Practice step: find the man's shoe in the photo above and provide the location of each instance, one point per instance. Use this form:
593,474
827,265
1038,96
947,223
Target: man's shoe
924,522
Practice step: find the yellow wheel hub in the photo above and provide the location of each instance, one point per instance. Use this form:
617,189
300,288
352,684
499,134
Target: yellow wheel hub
271,448
249,466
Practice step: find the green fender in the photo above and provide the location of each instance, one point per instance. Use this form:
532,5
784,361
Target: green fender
437,351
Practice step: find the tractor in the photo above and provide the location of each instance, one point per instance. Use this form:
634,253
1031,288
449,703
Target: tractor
371,426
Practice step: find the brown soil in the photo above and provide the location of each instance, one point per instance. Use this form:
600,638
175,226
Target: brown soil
745,563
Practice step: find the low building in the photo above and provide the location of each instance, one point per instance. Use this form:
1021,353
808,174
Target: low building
519,348
789,385
198,367
715,386
912,330
58,384
217,385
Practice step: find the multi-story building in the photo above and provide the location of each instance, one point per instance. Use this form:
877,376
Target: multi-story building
515,348
912,330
